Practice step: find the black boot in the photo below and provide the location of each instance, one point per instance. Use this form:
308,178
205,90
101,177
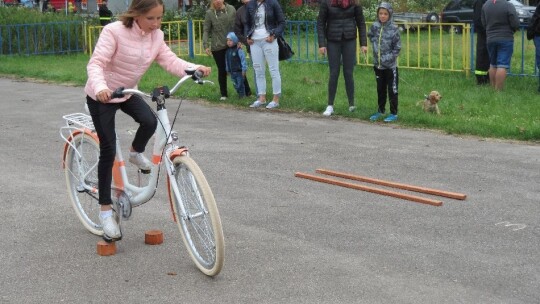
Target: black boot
482,79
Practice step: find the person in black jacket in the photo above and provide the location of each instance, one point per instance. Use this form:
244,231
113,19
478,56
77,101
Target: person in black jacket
337,24
534,29
105,14
482,56
265,21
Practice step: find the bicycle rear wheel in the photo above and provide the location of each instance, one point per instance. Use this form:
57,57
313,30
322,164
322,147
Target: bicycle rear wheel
81,177
200,225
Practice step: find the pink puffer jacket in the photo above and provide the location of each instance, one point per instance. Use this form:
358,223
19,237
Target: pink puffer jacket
122,55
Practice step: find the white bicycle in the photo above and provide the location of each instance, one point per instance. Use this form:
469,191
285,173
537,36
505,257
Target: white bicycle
192,203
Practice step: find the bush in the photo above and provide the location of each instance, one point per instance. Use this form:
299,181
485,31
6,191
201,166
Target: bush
23,15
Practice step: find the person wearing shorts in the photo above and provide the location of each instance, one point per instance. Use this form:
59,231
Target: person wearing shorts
500,20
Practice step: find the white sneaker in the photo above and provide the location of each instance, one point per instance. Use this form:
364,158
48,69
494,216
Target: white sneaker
329,111
352,108
222,98
139,160
111,231
257,104
272,105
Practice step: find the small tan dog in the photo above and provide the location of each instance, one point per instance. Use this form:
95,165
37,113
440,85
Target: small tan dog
431,101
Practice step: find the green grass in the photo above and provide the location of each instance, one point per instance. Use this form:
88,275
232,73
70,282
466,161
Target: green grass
466,108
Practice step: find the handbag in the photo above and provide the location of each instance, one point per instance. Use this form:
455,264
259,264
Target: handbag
285,51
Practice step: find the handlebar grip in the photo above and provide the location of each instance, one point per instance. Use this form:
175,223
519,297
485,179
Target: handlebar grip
118,93
198,74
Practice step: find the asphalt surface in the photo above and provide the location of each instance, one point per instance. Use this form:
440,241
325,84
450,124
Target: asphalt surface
288,240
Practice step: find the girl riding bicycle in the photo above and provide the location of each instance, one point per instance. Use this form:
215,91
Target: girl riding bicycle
124,52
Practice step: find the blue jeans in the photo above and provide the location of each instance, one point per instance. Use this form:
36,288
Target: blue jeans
500,53
537,45
238,83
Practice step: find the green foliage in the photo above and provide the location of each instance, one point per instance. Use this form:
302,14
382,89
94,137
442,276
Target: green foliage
22,15
197,12
302,13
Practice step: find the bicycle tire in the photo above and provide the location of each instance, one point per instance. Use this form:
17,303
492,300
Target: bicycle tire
85,204
202,234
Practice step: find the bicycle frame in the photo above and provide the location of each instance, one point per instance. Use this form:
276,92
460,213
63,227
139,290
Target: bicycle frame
164,137
192,202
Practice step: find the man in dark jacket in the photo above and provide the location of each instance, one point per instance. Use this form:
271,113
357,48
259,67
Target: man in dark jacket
105,13
482,55
501,21
534,30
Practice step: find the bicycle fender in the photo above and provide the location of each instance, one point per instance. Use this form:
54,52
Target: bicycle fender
178,152
66,145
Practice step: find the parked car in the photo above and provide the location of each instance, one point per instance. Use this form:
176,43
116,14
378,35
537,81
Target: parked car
413,21
461,11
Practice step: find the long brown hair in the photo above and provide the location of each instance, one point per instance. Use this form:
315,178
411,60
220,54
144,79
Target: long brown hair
137,8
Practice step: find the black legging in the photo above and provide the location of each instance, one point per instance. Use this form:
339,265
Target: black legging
103,116
219,58
341,52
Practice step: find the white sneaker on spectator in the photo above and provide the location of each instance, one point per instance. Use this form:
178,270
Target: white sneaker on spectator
329,111
272,105
352,108
257,104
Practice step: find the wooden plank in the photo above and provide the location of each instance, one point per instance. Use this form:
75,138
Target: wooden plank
413,198
454,195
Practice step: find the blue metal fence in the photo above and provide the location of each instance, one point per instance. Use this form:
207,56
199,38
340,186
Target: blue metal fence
42,38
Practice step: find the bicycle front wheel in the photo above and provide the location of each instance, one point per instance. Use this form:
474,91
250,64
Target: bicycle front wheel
199,220
82,180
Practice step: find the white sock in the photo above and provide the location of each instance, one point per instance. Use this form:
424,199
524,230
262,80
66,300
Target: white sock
105,214
133,154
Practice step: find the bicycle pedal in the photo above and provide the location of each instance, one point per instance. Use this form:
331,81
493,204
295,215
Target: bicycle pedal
110,240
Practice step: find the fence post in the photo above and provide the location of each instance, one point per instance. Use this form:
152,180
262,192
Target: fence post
191,37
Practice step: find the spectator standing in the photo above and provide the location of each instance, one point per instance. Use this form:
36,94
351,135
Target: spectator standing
105,14
218,22
534,28
78,6
482,56
123,53
337,25
235,64
240,31
265,22
500,19
385,37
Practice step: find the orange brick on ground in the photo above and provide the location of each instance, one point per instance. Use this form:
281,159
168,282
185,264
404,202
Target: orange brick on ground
106,249
153,237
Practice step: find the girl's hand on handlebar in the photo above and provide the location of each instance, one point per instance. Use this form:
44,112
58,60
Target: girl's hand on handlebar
205,70
104,96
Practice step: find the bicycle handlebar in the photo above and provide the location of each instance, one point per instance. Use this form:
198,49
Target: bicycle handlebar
196,75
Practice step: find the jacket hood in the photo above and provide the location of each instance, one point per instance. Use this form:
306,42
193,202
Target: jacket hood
386,6
233,37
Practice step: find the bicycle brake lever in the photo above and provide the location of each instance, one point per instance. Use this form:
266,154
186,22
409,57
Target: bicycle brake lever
118,93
